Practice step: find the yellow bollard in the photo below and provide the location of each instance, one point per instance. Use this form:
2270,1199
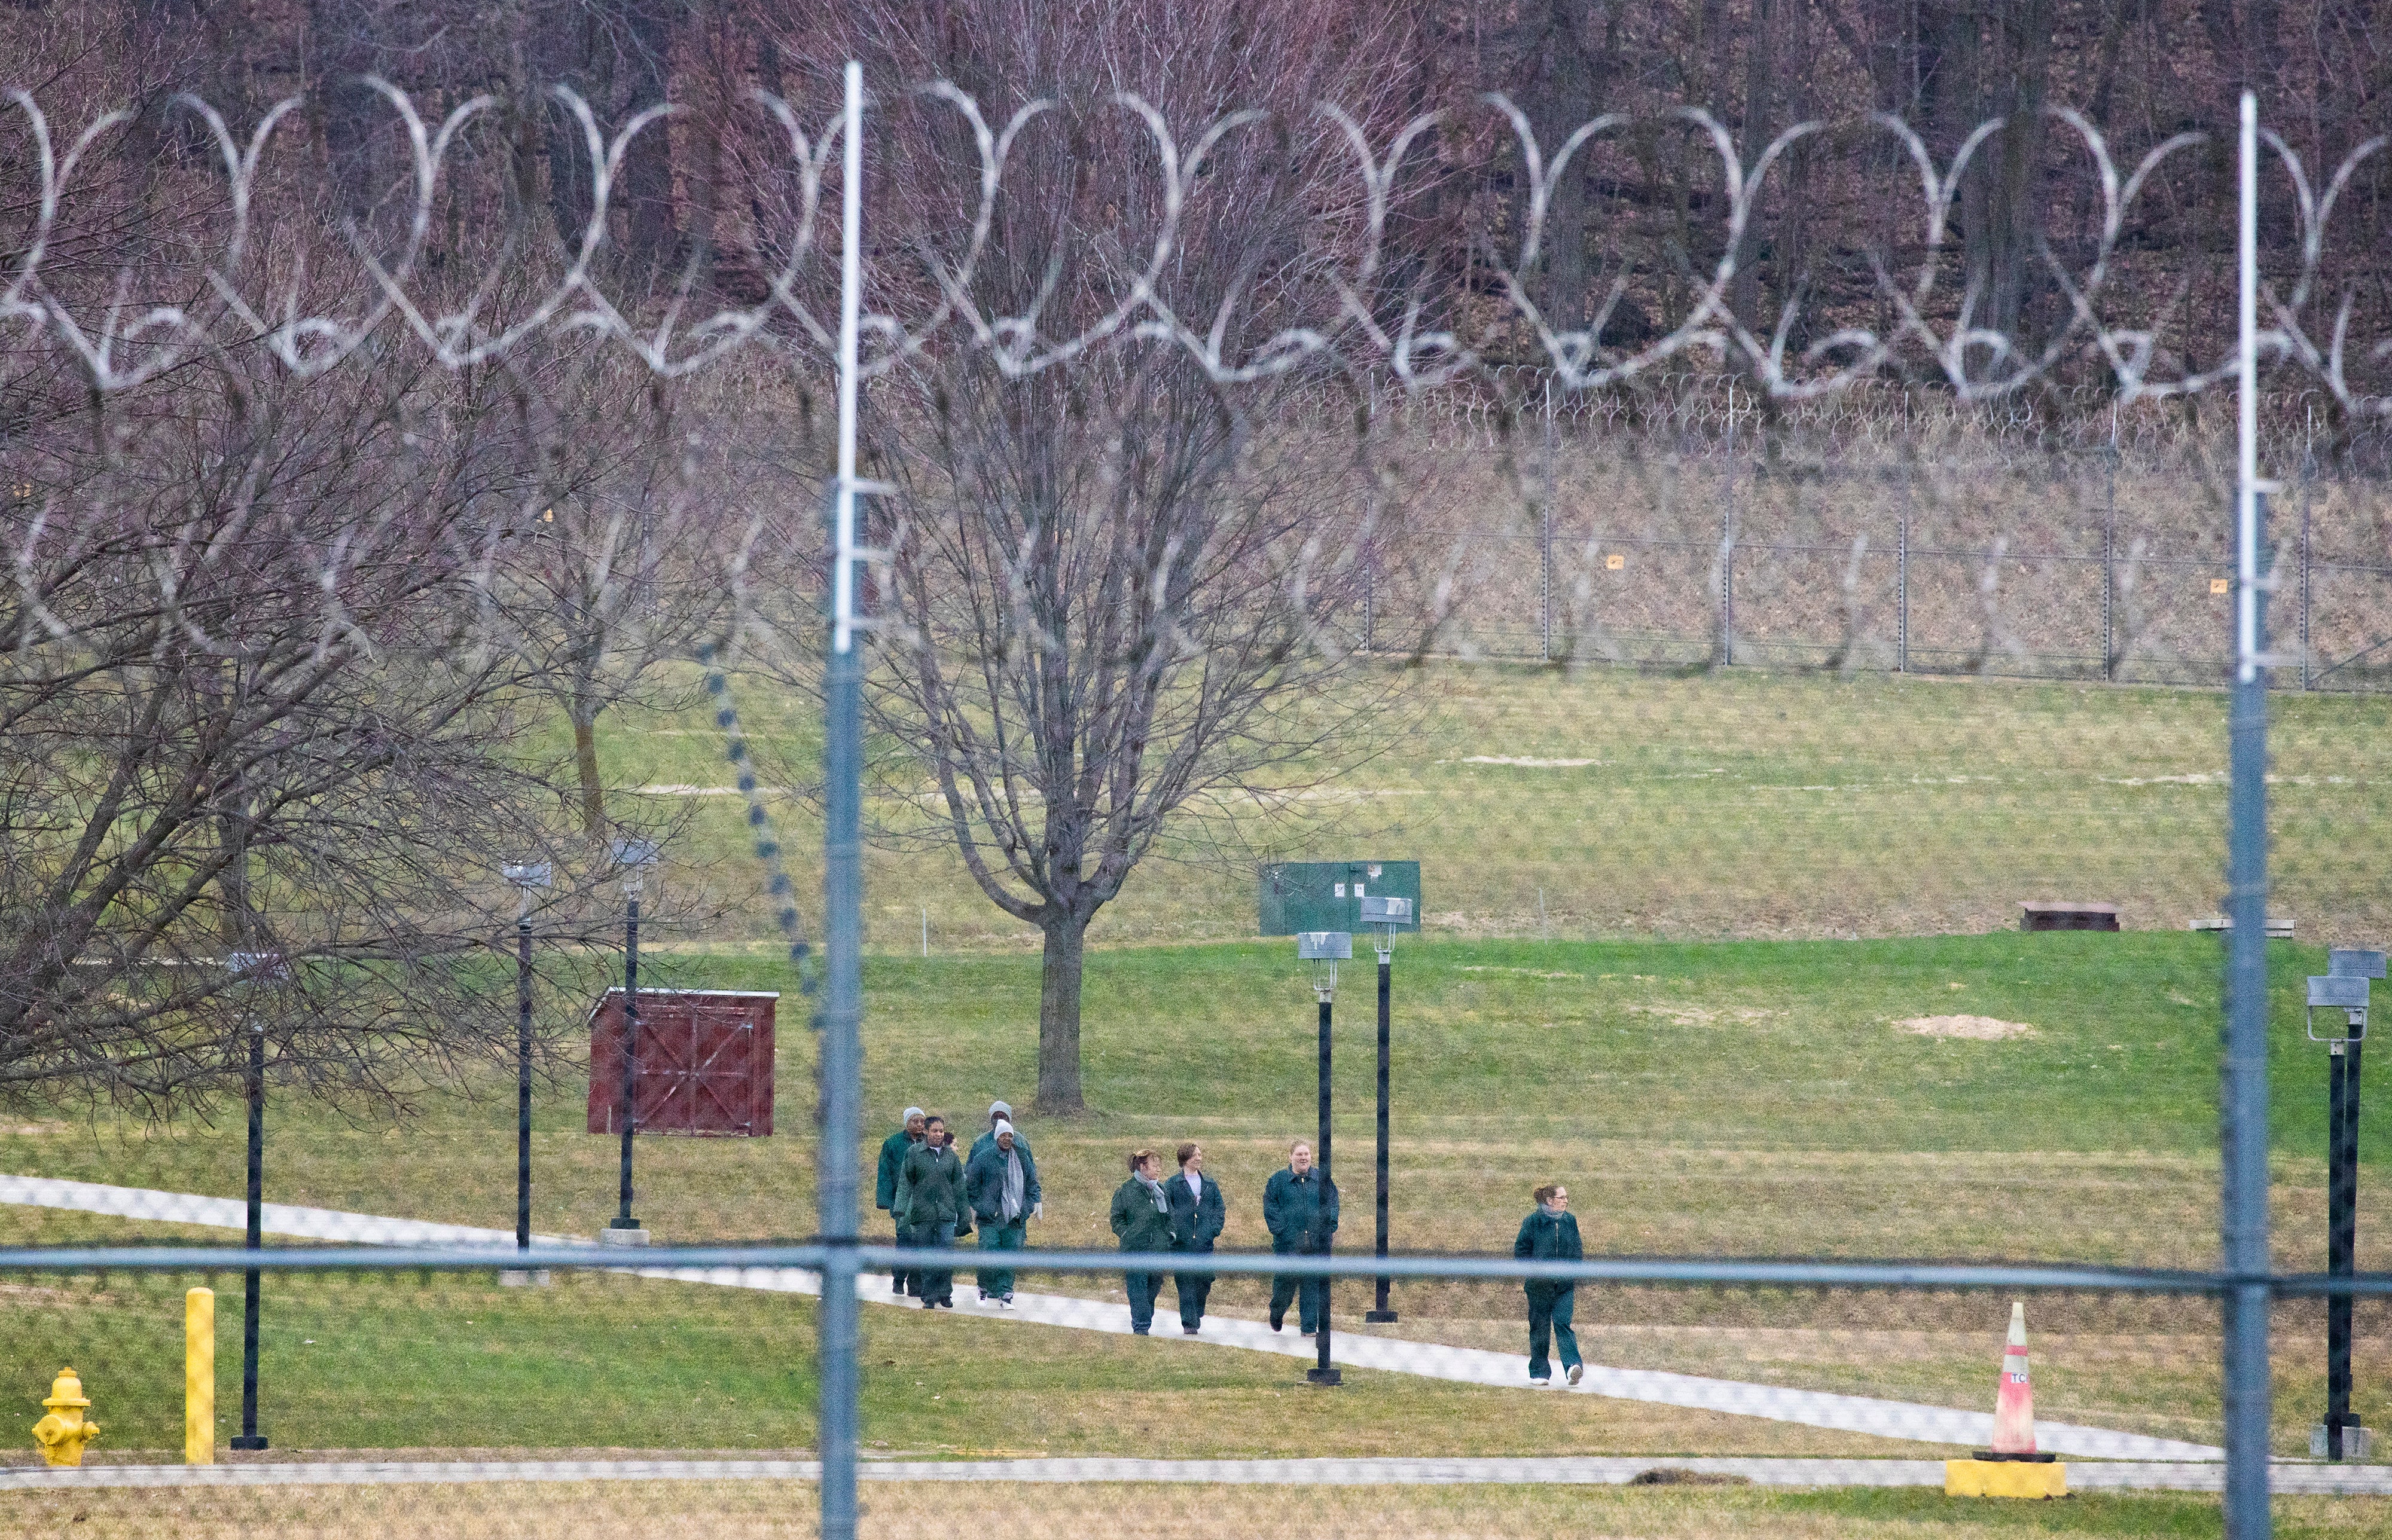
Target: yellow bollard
200,1376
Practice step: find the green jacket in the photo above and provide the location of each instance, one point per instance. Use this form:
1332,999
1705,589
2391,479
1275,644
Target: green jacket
1141,1225
1301,1211
1195,1221
984,1181
931,1188
1548,1238
894,1151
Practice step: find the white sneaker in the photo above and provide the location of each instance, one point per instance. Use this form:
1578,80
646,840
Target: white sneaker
1540,1384
1576,1373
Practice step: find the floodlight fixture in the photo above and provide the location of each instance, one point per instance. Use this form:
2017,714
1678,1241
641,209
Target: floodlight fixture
528,878
2345,992
1384,916
1324,949
262,966
2345,962
634,856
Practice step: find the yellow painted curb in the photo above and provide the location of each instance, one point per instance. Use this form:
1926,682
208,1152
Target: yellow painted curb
2005,1479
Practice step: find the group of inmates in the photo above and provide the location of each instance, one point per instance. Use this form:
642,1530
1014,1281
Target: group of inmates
935,1197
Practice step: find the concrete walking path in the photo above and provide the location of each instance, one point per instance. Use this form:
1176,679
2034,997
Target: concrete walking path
1570,1470
1871,1415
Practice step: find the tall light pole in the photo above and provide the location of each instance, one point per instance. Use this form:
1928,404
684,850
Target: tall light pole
1383,916
259,965
1324,898
1324,949
527,880
635,856
2343,988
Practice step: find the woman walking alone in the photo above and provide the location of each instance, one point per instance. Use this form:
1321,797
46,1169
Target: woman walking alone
1550,1233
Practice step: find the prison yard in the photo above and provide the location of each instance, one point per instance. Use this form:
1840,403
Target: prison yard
1866,1057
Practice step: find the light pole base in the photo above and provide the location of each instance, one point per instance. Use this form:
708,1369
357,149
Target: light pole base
249,1441
1324,1376
1379,1317
621,1234
2357,1443
523,1277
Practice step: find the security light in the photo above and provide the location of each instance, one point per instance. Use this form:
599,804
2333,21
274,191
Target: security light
2346,963
1324,949
256,964
2338,992
1385,915
634,856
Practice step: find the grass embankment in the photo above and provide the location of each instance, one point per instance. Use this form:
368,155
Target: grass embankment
1606,803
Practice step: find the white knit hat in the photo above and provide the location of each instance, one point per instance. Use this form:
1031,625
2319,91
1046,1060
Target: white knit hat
1002,1129
1000,1109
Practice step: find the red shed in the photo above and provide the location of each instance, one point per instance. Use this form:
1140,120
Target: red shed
704,1065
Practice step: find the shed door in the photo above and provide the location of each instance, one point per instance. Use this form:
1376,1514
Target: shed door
698,1068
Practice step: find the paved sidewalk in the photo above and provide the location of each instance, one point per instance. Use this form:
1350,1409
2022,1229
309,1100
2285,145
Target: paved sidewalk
1894,1419
2120,1476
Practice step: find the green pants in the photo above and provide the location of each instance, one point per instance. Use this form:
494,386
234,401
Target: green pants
997,1283
1310,1296
1549,1310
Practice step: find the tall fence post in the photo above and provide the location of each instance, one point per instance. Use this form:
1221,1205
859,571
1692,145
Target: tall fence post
1901,573
2309,480
2244,1106
2110,553
841,1047
1545,540
1727,543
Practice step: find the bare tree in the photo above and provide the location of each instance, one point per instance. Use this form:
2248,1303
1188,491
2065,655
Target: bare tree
261,694
1119,587
241,714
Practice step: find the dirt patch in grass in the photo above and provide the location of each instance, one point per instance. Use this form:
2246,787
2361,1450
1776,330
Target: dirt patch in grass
1972,1029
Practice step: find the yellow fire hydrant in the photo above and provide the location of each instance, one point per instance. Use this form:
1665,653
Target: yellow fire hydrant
63,1432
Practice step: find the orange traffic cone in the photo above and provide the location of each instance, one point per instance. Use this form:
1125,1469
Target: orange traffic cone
2012,1467
2014,1402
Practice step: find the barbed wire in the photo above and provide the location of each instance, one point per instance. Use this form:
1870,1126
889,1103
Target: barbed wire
1937,338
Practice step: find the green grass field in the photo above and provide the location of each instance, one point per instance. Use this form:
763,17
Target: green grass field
1610,804
1746,1098
1755,1093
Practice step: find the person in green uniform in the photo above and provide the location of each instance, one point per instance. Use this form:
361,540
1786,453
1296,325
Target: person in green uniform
1197,1215
1001,1184
1141,1218
1550,1233
894,1151
931,1204
1300,1209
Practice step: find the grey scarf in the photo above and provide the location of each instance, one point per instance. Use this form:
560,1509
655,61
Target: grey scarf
1012,1207
1154,1191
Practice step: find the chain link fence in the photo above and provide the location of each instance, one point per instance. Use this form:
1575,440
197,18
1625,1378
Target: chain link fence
1822,786
1694,522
